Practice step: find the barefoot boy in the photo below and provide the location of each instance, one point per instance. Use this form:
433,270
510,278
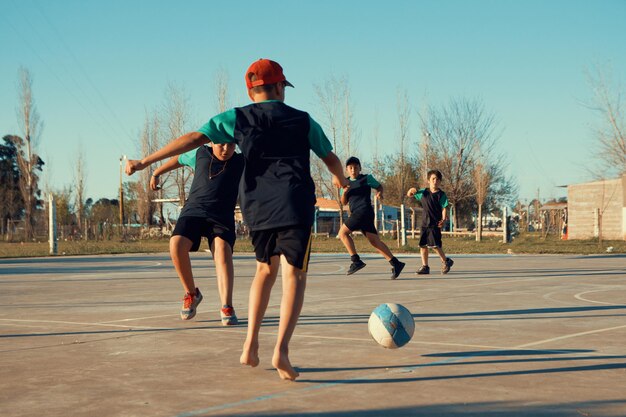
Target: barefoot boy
435,213
209,212
277,196
358,198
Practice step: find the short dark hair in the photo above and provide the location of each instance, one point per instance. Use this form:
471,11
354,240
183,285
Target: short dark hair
353,160
436,172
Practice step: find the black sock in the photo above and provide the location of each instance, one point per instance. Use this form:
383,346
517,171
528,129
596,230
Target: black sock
355,258
394,261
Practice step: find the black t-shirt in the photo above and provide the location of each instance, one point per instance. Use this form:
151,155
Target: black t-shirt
433,205
277,189
359,195
215,186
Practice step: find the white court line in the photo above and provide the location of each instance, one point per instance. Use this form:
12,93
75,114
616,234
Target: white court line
579,296
19,325
140,318
569,336
77,323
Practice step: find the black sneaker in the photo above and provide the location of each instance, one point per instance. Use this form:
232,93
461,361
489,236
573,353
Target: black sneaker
424,270
396,269
355,266
447,265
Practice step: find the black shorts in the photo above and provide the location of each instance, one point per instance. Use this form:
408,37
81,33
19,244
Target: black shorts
194,228
293,242
430,236
361,221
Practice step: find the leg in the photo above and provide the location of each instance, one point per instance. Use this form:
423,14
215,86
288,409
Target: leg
346,239
259,299
380,246
357,264
424,255
179,251
223,258
294,285
441,254
446,263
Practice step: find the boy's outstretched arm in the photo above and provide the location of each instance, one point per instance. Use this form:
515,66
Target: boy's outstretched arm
170,165
180,145
334,166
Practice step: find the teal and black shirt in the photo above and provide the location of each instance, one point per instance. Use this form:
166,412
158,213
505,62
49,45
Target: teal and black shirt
276,140
359,193
213,193
433,205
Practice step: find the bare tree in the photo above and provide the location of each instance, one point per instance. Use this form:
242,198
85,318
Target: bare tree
221,90
400,167
481,182
64,211
376,158
80,177
610,135
177,120
30,124
455,132
337,118
148,144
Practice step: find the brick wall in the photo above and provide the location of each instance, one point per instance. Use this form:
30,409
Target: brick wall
608,196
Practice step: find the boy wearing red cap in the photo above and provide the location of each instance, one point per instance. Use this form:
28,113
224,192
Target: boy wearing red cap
277,195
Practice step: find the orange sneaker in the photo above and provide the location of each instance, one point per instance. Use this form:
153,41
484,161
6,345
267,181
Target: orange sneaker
190,304
229,318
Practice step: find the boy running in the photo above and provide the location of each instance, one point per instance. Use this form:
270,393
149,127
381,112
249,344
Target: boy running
209,212
277,196
435,213
358,198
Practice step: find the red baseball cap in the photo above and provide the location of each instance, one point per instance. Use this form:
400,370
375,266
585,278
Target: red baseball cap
267,72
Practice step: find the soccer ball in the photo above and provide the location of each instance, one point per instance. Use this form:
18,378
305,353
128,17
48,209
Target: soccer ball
391,325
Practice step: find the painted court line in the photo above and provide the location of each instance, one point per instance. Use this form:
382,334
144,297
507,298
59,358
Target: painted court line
460,358
579,296
569,336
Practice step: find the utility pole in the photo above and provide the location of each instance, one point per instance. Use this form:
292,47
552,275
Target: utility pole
52,225
121,195
425,151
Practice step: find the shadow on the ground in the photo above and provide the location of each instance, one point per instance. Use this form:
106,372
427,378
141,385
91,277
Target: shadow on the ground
606,408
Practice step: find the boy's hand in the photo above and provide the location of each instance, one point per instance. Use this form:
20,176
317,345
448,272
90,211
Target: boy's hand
379,195
412,191
440,224
154,183
133,165
340,182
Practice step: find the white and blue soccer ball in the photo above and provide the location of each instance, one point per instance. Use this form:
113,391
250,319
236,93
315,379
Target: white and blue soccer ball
391,325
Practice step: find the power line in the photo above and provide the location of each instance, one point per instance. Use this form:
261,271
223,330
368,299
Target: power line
50,69
84,73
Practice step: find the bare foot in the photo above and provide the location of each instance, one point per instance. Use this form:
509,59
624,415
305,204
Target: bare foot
250,355
280,361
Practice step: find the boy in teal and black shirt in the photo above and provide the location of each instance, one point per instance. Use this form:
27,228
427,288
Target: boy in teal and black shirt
277,195
208,212
358,199
435,213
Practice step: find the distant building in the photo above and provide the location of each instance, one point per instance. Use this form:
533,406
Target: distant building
598,206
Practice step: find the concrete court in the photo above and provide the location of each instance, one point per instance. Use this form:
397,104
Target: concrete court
500,335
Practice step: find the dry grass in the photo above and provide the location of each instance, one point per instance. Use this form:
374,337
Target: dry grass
525,244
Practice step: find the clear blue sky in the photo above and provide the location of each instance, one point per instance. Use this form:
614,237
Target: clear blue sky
98,66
